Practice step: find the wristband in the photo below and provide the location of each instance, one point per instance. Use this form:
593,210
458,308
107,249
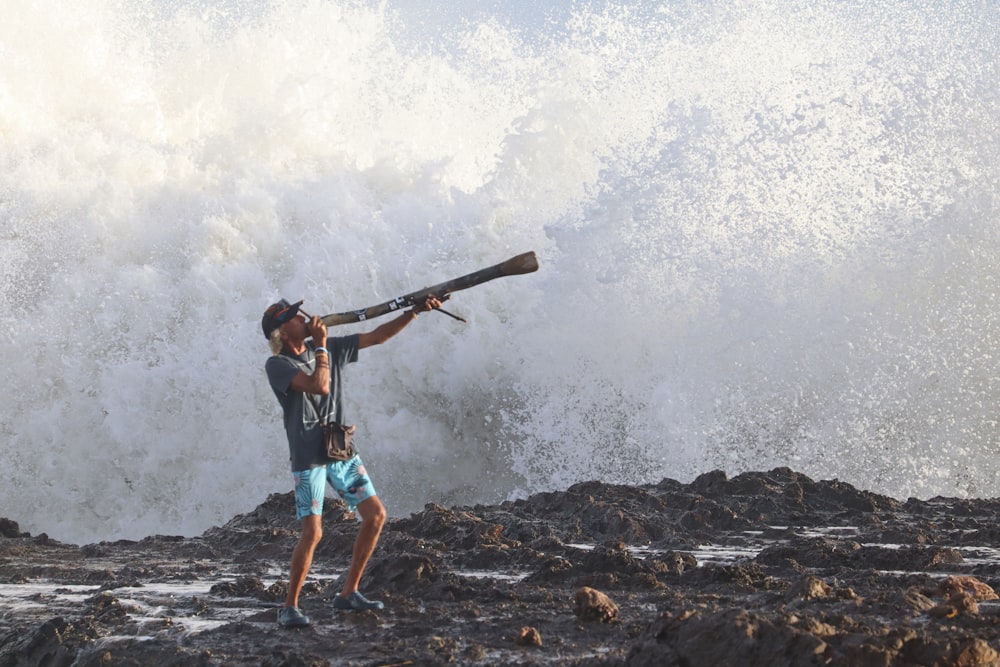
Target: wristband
321,349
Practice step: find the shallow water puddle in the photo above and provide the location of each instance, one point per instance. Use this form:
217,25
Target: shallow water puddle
165,604
18,598
705,554
491,574
188,604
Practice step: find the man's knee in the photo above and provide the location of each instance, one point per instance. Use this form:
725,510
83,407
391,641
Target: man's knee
377,517
312,530
373,511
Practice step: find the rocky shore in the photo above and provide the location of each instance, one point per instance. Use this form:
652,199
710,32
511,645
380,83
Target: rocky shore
764,569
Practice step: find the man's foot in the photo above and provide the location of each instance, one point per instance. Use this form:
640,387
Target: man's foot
356,602
292,617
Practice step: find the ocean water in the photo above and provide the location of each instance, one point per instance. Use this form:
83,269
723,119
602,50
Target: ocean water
768,234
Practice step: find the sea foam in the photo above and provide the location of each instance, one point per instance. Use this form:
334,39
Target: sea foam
768,236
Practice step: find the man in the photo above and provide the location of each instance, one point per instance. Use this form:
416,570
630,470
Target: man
306,376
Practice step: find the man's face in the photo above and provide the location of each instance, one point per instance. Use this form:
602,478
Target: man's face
295,328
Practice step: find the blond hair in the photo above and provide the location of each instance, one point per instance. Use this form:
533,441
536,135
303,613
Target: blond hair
274,342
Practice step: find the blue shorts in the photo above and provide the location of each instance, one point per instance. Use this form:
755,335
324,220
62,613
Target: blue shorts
348,478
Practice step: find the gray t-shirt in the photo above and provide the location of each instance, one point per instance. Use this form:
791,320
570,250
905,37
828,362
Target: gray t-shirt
305,437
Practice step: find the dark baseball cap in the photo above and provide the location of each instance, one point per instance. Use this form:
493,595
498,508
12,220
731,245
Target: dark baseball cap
277,314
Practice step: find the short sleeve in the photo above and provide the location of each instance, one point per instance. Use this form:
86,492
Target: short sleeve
280,372
343,349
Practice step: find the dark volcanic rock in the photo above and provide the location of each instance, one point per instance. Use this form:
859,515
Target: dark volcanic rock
593,605
767,568
9,528
732,637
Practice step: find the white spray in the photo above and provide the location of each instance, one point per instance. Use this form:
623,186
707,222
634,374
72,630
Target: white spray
768,236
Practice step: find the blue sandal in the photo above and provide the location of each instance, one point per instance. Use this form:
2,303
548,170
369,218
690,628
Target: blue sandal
356,602
292,617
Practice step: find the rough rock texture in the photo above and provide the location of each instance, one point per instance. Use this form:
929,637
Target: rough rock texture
768,568
592,605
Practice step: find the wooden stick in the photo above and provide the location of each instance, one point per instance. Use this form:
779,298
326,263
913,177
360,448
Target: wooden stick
515,266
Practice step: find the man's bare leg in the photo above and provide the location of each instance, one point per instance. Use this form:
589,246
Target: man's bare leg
312,533
372,519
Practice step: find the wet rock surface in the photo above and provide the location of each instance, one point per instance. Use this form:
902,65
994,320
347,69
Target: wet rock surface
769,568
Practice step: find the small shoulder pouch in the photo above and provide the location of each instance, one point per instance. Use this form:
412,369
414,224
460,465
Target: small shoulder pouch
336,437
